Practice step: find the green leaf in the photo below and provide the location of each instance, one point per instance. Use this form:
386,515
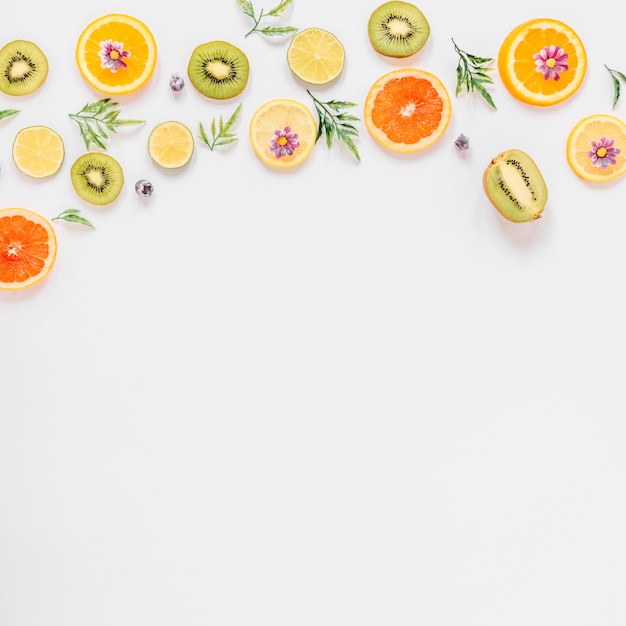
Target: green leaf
276,31
73,215
616,77
334,123
268,31
246,7
279,9
222,135
96,118
8,113
472,74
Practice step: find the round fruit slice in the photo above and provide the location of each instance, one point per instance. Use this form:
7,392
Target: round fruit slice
315,56
398,29
407,110
97,178
596,148
23,68
218,69
170,145
282,132
28,248
542,62
116,54
38,151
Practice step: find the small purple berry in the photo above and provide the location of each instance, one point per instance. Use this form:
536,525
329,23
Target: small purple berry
176,82
462,143
144,188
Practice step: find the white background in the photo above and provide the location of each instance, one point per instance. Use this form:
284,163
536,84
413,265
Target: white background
349,393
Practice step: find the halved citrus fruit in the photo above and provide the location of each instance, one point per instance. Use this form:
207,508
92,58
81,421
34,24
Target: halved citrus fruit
170,145
315,56
283,132
542,62
38,151
407,110
116,54
596,147
28,248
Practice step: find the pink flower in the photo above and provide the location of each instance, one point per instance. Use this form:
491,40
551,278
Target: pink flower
284,142
603,152
550,61
113,54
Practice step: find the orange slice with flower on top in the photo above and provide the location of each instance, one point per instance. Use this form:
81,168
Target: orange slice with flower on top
116,54
542,62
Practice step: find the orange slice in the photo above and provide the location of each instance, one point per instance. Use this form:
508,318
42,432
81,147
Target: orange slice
542,62
28,248
407,110
596,148
283,132
116,54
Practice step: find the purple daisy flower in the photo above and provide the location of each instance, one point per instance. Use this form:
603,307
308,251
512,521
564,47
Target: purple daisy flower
284,142
550,61
112,55
603,152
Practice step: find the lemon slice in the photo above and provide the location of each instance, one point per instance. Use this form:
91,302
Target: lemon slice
596,148
38,151
282,132
170,145
315,56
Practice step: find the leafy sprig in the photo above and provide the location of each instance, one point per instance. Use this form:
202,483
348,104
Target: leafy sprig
268,31
472,74
73,215
96,118
335,123
221,132
8,113
616,77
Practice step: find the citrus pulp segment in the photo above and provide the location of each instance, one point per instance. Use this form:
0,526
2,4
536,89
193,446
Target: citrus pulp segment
407,110
542,62
283,132
596,148
38,151
28,248
170,144
116,54
315,56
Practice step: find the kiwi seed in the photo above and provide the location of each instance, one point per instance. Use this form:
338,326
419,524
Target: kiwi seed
398,29
97,178
23,68
515,186
218,69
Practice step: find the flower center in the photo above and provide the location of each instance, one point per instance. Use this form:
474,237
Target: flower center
550,63
282,141
114,54
601,152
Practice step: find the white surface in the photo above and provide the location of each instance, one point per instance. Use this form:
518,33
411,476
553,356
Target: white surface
346,394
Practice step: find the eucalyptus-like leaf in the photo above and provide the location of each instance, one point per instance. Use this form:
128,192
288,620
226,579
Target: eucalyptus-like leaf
336,124
73,215
472,74
96,118
616,77
8,113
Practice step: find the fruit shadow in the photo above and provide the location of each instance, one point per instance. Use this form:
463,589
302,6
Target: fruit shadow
521,235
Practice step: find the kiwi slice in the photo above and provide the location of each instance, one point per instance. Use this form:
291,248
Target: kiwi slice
218,69
97,177
23,68
398,29
515,186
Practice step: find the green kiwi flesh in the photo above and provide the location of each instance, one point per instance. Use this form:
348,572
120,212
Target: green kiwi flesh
515,186
97,178
398,29
218,69
23,68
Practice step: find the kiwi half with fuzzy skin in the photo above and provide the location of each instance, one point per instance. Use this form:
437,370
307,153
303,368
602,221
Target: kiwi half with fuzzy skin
515,186
23,68
398,29
97,178
218,69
